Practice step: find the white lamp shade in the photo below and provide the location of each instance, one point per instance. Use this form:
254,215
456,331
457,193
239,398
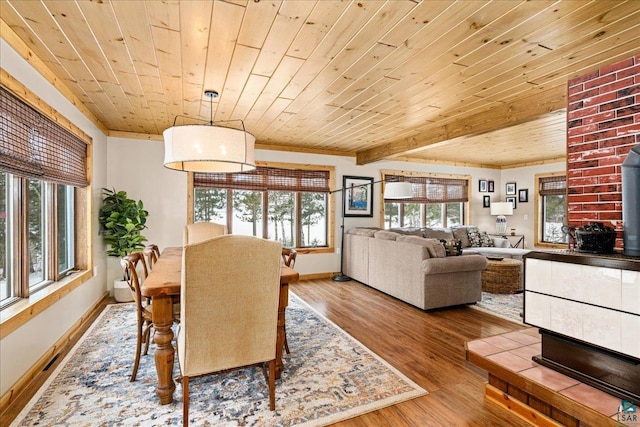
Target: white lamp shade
397,190
208,148
501,208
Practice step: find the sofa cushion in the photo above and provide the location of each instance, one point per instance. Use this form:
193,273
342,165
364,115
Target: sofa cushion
460,233
434,247
386,235
436,250
415,240
362,231
438,233
408,231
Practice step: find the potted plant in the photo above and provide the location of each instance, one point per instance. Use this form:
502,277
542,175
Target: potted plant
122,220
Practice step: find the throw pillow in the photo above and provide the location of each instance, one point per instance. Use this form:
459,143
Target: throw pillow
452,247
460,233
474,236
486,240
436,250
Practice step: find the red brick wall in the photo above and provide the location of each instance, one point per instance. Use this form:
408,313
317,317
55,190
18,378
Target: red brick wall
603,124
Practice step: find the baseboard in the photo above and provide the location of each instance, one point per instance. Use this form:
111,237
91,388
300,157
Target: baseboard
23,384
316,276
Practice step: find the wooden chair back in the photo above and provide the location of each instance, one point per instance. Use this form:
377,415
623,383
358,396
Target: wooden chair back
134,264
151,253
289,256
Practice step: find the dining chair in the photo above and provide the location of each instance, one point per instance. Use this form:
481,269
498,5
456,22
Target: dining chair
131,265
289,256
199,231
289,259
143,310
151,253
229,308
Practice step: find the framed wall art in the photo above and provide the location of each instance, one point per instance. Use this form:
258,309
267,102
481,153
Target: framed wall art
490,186
486,201
523,195
511,189
512,200
358,196
483,185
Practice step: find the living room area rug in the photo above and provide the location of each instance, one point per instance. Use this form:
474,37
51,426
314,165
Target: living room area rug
507,306
328,377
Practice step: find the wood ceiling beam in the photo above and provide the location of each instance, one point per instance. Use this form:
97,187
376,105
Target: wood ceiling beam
509,114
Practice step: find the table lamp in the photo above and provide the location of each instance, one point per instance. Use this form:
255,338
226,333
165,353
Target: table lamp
501,209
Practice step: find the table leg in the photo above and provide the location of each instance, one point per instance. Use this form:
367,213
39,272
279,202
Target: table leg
162,314
282,305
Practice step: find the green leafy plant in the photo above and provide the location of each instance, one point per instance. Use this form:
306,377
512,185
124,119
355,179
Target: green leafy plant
121,222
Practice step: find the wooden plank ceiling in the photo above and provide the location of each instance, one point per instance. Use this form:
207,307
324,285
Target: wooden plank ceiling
466,82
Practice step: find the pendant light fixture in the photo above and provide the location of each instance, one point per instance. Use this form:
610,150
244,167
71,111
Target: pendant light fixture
209,147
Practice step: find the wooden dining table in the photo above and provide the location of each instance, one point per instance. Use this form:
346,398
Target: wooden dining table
163,287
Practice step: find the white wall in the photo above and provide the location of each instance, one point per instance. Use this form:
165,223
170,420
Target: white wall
522,218
22,348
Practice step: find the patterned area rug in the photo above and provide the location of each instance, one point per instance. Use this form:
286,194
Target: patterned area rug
507,306
328,377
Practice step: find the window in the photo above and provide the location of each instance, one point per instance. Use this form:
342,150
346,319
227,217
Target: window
436,202
552,208
284,204
42,166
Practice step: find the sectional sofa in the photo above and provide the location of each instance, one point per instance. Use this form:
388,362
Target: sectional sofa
412,268
411,264
475,241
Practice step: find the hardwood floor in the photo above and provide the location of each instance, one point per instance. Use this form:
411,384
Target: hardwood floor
428,347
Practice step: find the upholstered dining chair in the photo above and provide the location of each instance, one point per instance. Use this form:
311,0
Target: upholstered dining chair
289,259
199,231
229,308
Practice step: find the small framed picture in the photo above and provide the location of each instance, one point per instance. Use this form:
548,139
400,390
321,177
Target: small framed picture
511,189
358,196
483,185
486,201
491,186
512,200
523,195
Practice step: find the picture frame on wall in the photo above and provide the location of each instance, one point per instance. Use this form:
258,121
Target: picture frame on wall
523,195
510,189
486,201
357,196
490,186
483,185
512,200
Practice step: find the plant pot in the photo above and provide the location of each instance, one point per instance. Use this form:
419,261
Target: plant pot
121,291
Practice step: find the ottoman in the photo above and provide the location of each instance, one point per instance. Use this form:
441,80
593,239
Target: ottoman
502,276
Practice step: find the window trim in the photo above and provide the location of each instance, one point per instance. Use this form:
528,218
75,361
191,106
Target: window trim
537,213
21,312
330,200
384,173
